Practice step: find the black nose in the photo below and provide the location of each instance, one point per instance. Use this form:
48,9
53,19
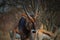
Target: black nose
33,31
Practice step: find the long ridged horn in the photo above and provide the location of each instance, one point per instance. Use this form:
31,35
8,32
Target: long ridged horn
28,14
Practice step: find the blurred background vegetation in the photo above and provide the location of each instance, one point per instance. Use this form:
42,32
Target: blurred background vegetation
49,11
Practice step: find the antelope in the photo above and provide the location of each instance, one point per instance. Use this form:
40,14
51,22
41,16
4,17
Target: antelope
29,18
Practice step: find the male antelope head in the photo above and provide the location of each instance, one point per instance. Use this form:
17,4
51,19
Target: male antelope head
32,19
32,15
